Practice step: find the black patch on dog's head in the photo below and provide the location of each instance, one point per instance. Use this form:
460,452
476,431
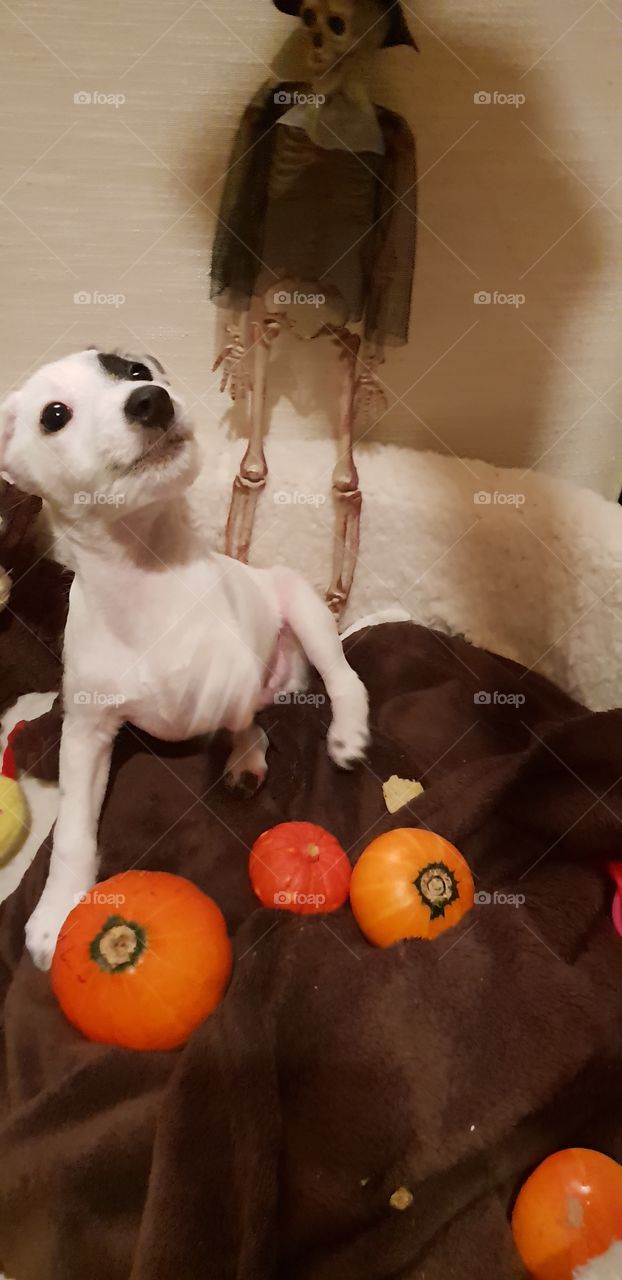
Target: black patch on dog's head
125,370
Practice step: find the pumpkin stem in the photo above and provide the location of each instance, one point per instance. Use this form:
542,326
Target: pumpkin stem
119,945
313,852
437,887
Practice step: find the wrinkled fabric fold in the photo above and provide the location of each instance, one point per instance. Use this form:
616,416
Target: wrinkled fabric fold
333,1074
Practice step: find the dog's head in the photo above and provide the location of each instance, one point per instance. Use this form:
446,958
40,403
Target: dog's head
98,430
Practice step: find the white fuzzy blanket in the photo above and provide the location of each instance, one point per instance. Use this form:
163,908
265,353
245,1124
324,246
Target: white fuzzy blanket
518,562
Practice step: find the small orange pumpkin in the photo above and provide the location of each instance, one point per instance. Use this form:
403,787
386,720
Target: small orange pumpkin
299,867
568,1212
141,961
409,883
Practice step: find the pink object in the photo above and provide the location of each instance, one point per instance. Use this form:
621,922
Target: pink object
615,869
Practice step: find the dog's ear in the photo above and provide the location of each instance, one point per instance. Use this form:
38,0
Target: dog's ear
8,418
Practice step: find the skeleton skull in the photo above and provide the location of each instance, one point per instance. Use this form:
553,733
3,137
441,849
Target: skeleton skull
335,29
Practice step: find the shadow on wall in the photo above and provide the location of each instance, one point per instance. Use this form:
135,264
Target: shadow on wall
495,209
503,204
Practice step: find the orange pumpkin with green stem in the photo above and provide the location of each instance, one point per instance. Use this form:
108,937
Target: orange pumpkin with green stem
410,883
142,961
300,867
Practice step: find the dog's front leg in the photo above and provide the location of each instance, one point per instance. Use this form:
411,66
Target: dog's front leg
85,752
315,628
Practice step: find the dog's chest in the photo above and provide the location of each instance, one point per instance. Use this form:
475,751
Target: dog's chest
175,665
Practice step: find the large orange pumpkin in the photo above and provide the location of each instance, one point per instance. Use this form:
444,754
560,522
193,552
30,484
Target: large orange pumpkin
299,867
409,884
141,961
568,1212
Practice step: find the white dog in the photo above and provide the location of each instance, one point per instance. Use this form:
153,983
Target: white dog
176,640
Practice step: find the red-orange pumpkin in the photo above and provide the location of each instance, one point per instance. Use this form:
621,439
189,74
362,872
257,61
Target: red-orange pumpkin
568,1212
299,867
142,961
409,883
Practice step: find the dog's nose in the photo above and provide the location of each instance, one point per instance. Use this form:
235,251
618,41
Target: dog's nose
151,406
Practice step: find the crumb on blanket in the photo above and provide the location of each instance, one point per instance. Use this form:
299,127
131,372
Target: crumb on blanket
398,791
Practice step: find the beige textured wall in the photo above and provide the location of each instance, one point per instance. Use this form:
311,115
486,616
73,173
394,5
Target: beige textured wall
525,200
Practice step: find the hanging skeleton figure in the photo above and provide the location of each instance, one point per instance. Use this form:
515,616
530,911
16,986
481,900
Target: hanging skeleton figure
318,222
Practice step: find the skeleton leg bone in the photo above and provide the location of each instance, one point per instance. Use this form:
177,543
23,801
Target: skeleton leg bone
251,478
348,498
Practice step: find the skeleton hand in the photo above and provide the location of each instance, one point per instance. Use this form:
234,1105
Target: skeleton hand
370,401
232,358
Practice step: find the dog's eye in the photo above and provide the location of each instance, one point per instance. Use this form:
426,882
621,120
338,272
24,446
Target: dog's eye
308,17
55,416
140,373
337,25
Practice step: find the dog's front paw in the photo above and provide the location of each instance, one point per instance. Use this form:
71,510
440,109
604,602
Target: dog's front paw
348,742
44,927
348,736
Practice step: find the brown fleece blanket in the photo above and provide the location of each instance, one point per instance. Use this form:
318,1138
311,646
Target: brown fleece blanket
333,1074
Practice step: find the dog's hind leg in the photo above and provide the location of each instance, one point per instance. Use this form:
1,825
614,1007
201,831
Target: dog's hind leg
85,752
246,767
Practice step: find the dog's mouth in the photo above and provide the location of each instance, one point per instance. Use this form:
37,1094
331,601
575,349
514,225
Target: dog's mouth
163,450
167,447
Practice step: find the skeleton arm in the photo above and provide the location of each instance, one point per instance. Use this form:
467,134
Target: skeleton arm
231,360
